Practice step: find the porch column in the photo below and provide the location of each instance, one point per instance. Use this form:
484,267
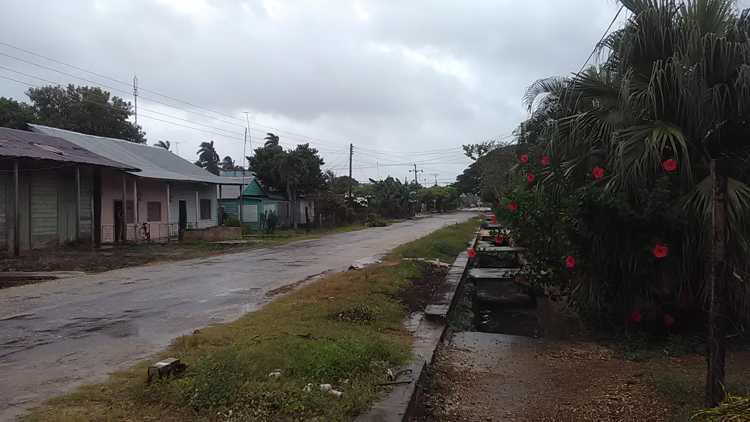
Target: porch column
169,208
124,223
135,202
78,203
197,210
16,211
93,212
96,208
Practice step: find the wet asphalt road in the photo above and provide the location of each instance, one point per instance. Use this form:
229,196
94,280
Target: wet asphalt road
60,334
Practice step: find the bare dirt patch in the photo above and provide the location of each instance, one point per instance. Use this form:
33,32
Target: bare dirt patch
491,377
516,379
422,288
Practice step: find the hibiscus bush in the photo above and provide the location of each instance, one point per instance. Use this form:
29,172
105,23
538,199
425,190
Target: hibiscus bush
613,259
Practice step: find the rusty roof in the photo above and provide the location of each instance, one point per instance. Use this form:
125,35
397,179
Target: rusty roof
37,146
153,162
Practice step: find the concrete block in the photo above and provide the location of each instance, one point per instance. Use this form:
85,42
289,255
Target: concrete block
165,368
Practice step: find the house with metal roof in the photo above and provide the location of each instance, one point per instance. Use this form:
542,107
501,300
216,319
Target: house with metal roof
165,197
48,190
249,200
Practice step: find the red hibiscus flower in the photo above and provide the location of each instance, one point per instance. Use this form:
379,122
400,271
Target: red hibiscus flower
545,160
660,251
493,219
668,320
597,172
523,158
499,240
570,262
669,165
471,252
530,177
512,207
636,316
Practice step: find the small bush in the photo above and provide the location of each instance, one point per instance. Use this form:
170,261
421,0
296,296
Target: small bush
215,381
343,358
734,408
231,221
356,314
374,220
268,222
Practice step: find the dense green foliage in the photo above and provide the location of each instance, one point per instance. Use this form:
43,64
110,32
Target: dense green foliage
14,114
612,166
292,172
391,198
84,109
438,198
487,175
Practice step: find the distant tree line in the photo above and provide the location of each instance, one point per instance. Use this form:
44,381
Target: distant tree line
84,109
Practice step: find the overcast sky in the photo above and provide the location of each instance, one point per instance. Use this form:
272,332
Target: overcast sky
404,81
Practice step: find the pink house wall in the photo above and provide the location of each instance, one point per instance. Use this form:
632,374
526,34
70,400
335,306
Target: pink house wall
149,190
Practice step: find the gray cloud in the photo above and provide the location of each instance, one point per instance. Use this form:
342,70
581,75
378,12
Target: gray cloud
392,76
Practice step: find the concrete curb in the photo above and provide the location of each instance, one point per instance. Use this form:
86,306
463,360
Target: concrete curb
428,334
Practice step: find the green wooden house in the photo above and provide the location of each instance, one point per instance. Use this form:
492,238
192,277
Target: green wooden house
255,202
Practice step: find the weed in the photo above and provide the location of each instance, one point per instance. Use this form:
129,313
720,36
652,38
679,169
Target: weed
229,364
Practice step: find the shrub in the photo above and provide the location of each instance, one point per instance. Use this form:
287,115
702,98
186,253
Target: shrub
374,220
734,408
268,222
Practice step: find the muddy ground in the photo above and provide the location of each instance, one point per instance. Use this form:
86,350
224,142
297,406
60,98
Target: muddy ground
497,376
87,259
490,377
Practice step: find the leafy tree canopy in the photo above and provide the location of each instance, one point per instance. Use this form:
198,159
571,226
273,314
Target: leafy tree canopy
14,114
84,109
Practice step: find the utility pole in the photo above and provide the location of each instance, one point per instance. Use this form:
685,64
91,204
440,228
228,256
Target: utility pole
435,175
135,97
242,186
416,172
351,152
249,133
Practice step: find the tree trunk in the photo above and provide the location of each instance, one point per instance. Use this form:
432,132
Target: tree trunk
717,290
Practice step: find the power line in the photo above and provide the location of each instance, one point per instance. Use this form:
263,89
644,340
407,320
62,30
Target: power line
141,89
601,39
214,130
109,105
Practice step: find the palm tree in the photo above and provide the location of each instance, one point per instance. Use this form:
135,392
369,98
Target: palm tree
675,85
271,139
163,144
329,177
228,164
208,158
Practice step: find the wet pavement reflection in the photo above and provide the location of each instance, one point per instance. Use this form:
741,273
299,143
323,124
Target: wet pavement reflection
59,334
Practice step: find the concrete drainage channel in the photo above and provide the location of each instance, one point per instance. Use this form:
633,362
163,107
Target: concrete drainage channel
428,330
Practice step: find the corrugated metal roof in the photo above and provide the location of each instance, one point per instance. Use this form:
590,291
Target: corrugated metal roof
153,162
38,146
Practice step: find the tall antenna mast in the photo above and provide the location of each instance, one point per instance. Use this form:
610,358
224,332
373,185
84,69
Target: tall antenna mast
135,97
